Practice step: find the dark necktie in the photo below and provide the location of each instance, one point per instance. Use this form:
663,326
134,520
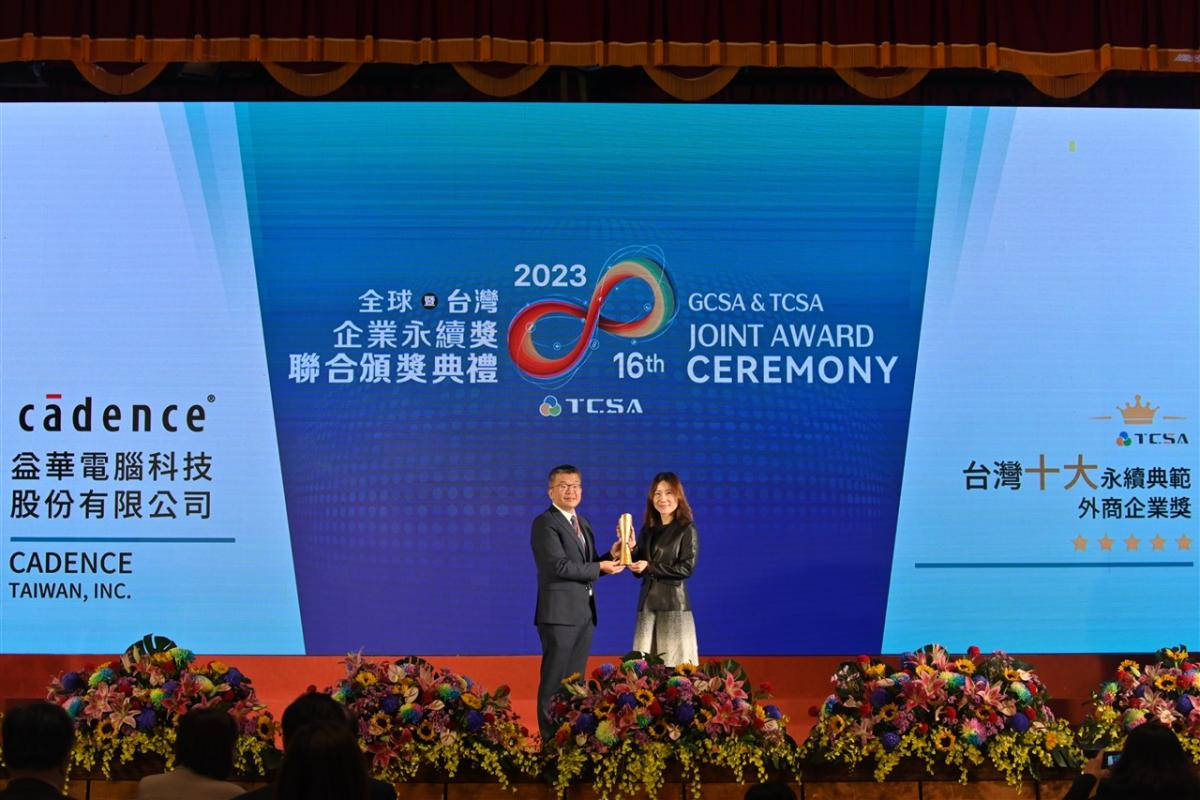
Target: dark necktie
579,535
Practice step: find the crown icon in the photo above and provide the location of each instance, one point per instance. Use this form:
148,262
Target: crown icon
1138,414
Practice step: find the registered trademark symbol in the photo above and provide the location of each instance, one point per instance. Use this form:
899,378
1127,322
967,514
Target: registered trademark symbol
212,398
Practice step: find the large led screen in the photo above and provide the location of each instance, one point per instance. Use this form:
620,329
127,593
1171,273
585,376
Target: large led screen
288,378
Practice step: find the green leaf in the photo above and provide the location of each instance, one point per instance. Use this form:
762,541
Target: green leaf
150,644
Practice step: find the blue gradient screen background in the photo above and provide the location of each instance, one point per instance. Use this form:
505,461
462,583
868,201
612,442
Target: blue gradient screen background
1024,273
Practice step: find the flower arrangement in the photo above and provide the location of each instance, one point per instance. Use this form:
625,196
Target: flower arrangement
411,714
1167,691
130,707
958,712
629,719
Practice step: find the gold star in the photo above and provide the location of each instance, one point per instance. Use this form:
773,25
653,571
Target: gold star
1106,543
1080,542
1157,542
1132,542
1184,542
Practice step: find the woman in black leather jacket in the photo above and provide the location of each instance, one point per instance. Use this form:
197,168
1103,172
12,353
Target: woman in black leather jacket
664,558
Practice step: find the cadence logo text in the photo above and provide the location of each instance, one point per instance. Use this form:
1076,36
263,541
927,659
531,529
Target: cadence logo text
137,417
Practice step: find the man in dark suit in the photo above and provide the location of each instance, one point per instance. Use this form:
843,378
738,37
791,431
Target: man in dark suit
568,565
37,742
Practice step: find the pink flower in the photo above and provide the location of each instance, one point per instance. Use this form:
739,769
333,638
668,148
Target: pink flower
924,692
992,696
122,714
727,718
733,688
100,702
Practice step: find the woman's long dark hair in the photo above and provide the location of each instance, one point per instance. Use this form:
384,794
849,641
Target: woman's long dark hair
322,762
683,514
1154,765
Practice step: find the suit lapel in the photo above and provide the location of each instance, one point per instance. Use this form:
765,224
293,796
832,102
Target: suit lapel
568,532
588,539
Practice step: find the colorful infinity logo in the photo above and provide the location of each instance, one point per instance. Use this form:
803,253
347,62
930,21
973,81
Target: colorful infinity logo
539,368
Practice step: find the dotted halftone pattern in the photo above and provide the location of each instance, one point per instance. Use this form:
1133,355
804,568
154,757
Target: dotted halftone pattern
410,505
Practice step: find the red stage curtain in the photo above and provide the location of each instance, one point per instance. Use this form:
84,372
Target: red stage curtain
1062,46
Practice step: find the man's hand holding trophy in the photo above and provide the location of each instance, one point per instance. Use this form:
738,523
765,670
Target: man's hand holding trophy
622,549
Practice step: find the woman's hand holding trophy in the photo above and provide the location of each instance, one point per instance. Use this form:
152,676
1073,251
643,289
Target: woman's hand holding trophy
622,550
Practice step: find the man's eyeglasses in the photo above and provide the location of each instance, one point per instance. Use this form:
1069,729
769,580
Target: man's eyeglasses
562,487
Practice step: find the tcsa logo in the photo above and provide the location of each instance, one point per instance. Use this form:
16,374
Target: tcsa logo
550,406
1139,413
1125,439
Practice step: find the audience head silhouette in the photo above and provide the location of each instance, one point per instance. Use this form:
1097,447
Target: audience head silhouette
771,790
322,762
313,707
1153,765
205,741
37,743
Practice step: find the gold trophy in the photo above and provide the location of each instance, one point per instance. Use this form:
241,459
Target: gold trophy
625,531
